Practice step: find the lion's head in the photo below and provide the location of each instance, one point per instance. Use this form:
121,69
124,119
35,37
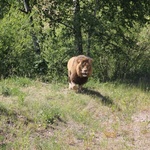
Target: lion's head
84,66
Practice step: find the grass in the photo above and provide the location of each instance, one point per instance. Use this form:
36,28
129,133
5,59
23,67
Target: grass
36,115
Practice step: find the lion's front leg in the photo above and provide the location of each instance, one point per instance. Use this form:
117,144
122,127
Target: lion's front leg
69,80
72,86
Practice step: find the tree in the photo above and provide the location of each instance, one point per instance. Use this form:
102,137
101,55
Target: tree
77,26
108,31
27,10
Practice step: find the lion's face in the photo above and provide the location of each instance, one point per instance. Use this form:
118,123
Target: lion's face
84,67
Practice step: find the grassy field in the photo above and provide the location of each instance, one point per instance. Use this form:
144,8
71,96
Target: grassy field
47,116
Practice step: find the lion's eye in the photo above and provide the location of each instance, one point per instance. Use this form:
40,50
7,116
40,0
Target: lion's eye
83,64
88,67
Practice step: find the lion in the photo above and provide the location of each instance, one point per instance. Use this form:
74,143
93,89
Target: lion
79,70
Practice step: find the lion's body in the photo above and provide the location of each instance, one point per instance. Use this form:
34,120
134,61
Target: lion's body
79,69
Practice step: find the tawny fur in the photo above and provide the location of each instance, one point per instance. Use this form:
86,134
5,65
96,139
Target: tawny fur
79,70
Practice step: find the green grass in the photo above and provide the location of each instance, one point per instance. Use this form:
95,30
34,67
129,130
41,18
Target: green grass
36,115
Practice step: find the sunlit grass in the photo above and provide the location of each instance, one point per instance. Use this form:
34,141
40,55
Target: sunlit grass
36,115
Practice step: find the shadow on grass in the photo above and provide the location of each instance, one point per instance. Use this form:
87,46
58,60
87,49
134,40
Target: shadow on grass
6,112
106,100
142,83
12,115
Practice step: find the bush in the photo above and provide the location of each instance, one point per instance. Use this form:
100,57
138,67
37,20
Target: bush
16,50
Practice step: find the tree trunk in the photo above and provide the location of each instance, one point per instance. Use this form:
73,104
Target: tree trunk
34,38
26,6
90,31
77,27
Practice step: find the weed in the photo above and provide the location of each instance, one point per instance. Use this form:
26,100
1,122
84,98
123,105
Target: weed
21,99
50,114
6,91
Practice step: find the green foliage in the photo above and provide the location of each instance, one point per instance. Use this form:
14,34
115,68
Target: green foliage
55,54
50,114
22,82
16,50
115,34
6,91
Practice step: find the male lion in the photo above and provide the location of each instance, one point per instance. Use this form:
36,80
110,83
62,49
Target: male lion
79,69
